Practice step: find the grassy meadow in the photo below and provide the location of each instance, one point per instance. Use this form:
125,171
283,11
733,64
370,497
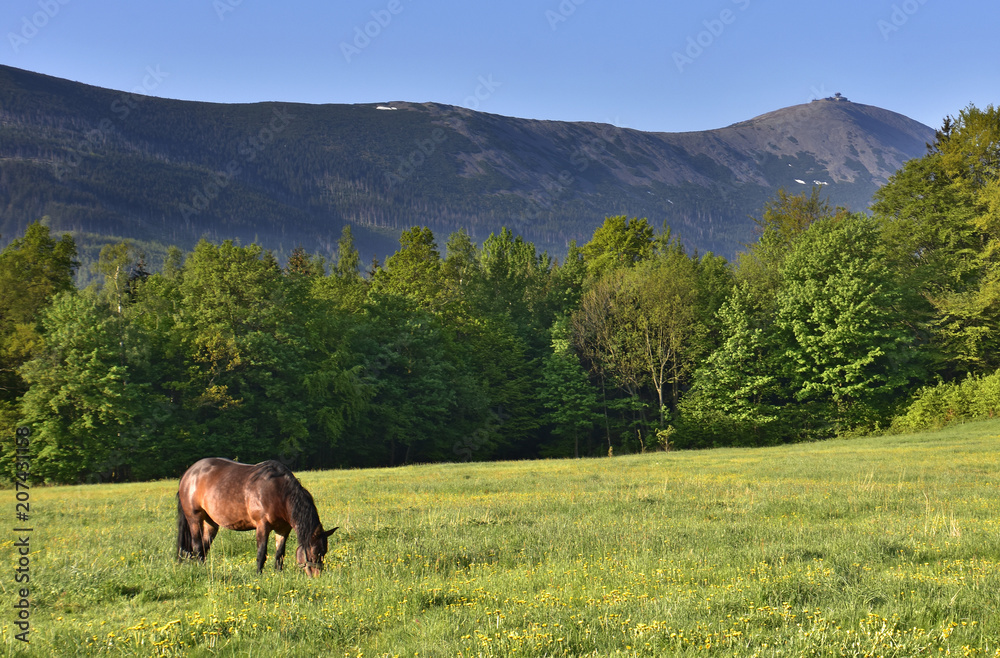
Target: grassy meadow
883,546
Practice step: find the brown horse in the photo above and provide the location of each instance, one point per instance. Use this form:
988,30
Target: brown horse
264,497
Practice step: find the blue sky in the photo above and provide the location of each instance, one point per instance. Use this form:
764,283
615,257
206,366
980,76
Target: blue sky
659,66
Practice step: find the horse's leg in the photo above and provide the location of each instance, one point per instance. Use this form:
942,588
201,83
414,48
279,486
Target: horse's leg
263,531
183,532
209,530
197,547
279,551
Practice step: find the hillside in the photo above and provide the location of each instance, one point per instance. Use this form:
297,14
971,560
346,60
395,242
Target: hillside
105,162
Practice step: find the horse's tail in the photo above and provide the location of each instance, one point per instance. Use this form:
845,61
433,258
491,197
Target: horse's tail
184,543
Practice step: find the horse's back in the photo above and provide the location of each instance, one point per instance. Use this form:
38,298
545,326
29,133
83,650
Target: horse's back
214,463
208,471
215,488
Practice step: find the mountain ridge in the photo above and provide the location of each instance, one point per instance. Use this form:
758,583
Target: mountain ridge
283,174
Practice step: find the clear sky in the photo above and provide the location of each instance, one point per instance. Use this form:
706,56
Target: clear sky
653,65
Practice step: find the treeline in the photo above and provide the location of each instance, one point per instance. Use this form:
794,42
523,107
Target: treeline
830,323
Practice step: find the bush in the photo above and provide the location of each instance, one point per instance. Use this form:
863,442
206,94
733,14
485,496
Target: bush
976,397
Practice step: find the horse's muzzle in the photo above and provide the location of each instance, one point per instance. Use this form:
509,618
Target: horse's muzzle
312,569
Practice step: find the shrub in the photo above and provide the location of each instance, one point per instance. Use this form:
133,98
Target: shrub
976,397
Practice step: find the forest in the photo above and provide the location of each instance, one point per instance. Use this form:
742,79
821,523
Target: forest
829,324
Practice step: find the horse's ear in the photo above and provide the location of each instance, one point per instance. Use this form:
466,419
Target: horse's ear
330,532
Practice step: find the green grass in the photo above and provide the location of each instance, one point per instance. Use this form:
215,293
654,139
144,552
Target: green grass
882,546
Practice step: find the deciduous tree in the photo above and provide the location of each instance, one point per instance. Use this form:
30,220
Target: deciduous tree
844,339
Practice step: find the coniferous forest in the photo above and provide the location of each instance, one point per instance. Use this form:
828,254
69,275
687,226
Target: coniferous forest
829,324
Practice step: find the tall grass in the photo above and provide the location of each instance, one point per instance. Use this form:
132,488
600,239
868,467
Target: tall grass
885,546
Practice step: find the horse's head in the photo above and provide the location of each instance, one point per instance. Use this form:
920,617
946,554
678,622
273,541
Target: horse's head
310,557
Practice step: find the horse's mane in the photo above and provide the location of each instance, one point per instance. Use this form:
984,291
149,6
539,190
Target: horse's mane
305,517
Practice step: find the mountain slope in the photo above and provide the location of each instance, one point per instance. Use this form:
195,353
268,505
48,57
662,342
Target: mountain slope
107,162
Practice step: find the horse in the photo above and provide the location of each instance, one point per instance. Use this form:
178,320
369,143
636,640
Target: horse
263,497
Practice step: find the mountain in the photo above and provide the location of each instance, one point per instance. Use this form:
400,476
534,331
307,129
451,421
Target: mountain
112,163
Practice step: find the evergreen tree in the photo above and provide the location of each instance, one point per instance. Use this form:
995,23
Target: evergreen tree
512,287
461,261
348,259
571,402
567,282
